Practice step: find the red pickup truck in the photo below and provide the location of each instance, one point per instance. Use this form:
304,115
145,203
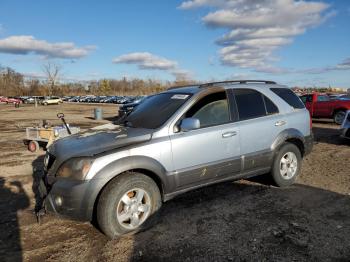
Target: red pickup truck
321,106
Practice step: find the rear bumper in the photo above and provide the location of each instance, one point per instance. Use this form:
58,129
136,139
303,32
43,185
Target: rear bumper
308,144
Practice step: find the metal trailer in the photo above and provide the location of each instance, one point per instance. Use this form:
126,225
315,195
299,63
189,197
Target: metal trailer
44,136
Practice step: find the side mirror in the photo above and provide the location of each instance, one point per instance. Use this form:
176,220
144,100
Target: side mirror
189,124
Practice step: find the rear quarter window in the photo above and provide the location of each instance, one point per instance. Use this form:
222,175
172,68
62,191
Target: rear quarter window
250,104
289,97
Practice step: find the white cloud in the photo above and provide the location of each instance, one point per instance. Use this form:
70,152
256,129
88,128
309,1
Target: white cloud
213,3
26,44
257,28
181,74
145,60
344,65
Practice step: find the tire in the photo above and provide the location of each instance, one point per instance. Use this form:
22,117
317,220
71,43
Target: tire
112,210
284,172
33,146
45,104
339,117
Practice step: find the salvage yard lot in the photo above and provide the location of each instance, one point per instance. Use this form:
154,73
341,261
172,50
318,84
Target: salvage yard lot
242,220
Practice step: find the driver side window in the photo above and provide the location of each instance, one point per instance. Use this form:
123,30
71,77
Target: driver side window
211,110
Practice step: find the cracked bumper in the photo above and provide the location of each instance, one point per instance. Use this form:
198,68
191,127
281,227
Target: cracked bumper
68,198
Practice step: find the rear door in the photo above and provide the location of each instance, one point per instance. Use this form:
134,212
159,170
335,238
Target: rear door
260,123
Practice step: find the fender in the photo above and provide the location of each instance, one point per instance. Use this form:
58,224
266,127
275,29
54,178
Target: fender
285,135
116,168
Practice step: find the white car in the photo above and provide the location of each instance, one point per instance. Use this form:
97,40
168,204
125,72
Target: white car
53,100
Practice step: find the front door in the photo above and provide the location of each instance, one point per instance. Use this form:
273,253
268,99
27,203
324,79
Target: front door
210,152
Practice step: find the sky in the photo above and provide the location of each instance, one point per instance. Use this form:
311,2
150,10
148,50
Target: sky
297,43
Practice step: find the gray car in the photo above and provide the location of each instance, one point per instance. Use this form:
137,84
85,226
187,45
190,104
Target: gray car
176,141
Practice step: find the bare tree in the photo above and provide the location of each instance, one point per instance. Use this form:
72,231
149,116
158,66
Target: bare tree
52,71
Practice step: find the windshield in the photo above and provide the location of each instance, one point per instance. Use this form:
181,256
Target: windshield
154,111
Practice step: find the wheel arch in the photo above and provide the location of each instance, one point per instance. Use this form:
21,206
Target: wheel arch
292,136
335,110
145,165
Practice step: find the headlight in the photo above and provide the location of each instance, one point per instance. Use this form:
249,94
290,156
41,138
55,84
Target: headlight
76,168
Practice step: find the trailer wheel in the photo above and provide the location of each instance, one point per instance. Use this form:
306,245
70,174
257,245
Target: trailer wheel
33,146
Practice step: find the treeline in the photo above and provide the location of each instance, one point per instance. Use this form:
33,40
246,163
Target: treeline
13,83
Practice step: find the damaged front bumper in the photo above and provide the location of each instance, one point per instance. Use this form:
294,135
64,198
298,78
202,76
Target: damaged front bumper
73,199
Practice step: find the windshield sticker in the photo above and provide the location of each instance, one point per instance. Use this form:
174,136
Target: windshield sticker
179,96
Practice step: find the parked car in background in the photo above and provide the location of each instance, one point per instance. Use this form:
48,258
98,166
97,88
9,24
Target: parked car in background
127,108
321,106
32,99
173,142
66,98
74,99
11,100
51,100
344,97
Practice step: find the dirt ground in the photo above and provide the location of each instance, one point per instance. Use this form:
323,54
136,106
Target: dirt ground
233,221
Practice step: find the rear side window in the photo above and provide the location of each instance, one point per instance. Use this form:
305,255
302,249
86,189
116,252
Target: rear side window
306,98
252,104
322,98
289,97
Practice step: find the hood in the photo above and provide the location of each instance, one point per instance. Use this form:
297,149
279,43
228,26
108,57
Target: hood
97,140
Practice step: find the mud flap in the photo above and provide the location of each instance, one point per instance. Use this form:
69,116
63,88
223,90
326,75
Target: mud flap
40,209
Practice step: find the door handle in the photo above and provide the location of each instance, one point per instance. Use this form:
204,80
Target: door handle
229,134
280,123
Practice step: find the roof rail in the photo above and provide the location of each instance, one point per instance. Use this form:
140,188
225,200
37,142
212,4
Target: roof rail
238,82
181,86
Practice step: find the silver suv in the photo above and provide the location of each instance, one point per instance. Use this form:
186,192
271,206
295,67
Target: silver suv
176,141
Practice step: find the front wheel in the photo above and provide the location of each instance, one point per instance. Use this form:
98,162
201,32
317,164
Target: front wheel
339,117
128,204
287,165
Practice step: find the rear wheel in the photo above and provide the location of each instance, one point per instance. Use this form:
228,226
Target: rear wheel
339,117
128,204
287,165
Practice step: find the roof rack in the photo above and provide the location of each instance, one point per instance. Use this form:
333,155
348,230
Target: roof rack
238,82
181,86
